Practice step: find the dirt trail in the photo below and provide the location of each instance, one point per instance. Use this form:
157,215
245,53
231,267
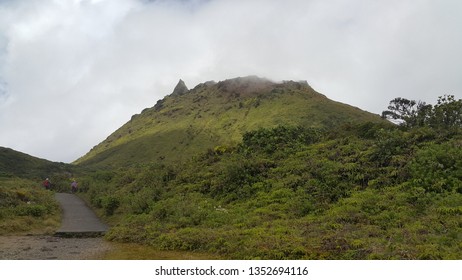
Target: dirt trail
52,248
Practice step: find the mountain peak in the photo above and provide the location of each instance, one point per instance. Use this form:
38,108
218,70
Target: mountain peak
245,86
180,88
188,122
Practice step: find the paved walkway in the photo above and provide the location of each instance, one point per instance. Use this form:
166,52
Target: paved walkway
78,219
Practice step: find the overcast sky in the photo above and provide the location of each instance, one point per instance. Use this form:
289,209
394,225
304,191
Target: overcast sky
73,71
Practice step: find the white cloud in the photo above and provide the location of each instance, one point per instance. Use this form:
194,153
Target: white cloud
71,72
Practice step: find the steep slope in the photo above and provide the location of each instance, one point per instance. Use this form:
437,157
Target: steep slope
369,191
188,122
14,163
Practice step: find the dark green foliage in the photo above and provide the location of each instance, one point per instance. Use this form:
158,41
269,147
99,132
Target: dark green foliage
370,191
388,145
279,138
438,167
17,164
110,204
446,114
32,210
235,180
284,189
408,112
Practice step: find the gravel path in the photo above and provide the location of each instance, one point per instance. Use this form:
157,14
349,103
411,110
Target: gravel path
78,221
78,218
52,248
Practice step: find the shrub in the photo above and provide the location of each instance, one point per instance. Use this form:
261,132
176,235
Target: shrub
437,167
32,210
110,204
279,138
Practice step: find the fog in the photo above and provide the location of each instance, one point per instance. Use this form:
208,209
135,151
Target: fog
72,72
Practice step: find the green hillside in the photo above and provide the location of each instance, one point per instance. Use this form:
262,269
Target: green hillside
369,191
251,169
17,164
211,114
25,206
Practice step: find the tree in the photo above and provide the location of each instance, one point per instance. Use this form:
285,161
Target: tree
447,113
407,112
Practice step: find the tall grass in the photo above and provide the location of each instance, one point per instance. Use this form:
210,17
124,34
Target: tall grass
25,207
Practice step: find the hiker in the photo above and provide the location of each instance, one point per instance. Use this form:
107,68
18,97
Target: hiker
46,184
74,186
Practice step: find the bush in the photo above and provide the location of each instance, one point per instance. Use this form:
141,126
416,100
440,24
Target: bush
31,210
437,167
110,204
372,192
279,138
25,207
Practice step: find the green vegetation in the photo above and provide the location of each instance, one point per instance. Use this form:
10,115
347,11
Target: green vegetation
25,207
181,126
446,114
365,191
251,169
17,164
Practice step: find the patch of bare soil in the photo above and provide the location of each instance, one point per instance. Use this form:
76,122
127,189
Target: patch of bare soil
52,248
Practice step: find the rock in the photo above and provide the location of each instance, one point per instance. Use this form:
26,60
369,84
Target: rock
180,88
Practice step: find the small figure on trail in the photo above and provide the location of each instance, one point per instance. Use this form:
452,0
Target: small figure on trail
74,186
47,184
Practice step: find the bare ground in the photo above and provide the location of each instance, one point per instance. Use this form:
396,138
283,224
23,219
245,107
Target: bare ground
42,247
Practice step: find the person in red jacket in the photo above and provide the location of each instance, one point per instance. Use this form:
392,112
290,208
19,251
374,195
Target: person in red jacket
46,184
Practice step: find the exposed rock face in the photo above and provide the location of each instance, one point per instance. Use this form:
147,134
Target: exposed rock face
180,88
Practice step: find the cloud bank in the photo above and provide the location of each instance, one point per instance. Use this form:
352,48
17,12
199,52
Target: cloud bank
71,72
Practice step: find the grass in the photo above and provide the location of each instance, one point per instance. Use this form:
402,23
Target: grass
26,208
17,164
219,114
132,251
